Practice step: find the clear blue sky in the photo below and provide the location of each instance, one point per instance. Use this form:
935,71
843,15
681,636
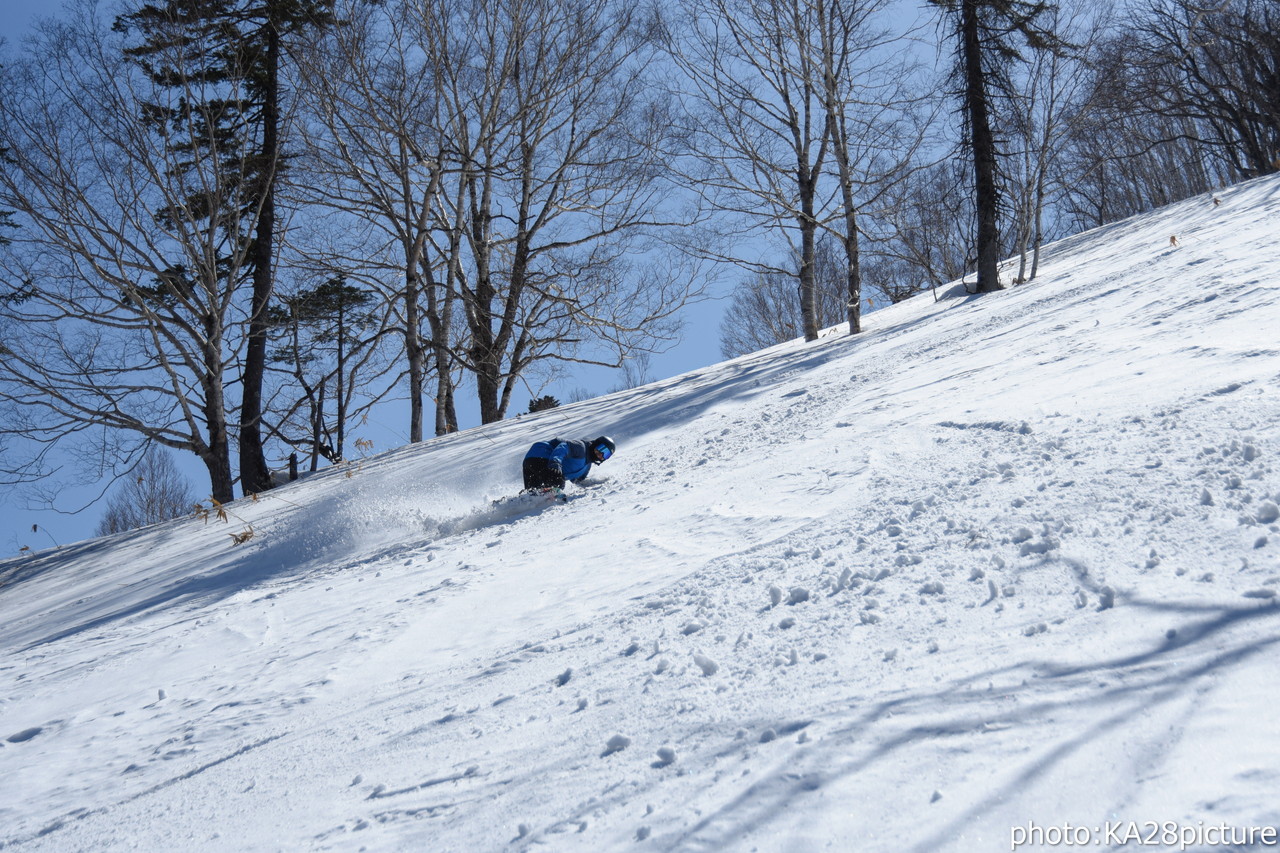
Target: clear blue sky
16,15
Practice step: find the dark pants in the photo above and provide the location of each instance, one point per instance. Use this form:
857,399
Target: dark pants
539,474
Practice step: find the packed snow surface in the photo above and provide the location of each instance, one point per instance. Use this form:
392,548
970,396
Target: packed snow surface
998,564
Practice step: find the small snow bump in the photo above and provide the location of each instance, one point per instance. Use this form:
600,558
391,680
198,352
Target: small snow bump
937,795
797,595
1265,594
775,594
693,626
666,757
617,743
706,664
25,734
563,678
789,622
1267,513
1044,546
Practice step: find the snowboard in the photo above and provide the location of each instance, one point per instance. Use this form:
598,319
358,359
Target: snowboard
532,499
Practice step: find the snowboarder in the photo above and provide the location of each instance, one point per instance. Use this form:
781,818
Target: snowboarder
549,463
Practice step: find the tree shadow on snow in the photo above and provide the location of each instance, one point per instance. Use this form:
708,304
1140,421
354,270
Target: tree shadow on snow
1146,681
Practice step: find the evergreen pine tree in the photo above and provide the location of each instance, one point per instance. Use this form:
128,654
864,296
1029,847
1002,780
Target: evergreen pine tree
985,32
543,403
231,46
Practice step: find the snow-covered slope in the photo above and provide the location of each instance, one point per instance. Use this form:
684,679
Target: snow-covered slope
998,565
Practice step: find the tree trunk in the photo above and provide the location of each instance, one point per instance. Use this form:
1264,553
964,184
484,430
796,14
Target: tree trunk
341,381
485,359
984,151
440,319
216,455
413,350
218,461
1038,238
254,475
853,268
808,250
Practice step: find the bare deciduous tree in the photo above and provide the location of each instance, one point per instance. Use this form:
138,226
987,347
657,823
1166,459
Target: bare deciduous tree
764,310
556,183
1048,99
796,111
154,491
1119,158
124,315
375,154
929,235
1215,64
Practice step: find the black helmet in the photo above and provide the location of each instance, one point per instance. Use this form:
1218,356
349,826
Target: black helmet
604,446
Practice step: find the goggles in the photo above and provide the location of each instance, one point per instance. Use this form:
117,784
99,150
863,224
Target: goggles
603,452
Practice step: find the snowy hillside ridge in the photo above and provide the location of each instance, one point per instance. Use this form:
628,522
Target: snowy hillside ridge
1000,563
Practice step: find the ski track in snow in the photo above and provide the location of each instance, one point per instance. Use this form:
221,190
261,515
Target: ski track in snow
997,560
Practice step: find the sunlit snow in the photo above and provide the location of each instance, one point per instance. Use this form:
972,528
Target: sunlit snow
999,562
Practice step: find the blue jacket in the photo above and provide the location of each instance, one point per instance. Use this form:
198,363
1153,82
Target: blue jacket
569,456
